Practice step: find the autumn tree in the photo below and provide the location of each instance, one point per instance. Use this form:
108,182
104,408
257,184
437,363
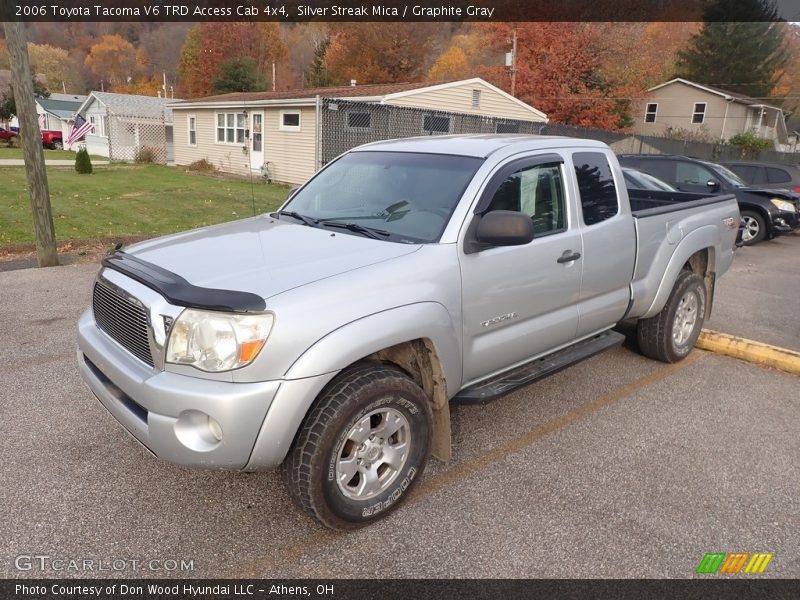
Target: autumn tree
209,45
112,59
746,56
452,64
381,53
317,74
558,72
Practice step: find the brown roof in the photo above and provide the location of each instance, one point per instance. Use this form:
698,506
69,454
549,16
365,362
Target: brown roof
378,89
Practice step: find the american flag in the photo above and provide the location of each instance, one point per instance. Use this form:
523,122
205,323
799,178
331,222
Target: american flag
41,122
79,129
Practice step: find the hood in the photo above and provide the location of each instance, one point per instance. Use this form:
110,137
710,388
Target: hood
263,255
783,194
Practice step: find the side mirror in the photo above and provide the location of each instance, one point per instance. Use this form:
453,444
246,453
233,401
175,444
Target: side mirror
504,228
712,184
292,192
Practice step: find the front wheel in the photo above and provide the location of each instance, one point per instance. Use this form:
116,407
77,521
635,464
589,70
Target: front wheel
362,447
670,335
755,227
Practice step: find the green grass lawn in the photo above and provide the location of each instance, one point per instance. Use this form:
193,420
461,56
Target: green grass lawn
130,200
48,154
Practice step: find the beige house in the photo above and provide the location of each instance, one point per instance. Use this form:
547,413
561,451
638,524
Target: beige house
240,132
708,112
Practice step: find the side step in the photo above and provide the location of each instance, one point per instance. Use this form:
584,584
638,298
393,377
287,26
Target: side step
504,383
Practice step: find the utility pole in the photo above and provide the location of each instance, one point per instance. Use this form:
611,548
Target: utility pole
22,82
514,63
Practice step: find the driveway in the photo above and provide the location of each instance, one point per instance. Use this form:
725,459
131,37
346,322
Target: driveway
617,467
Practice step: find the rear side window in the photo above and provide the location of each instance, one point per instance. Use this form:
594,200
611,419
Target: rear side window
778,175
664,169
596,186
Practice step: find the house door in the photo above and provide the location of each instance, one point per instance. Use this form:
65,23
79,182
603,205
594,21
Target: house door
257,140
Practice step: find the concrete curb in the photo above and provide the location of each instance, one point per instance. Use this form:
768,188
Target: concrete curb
754,352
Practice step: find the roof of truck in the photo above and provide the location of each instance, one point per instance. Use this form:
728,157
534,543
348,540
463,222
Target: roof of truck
478,145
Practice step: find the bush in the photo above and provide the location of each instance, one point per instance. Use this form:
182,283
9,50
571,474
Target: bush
202,165
145,155
749,144
83,164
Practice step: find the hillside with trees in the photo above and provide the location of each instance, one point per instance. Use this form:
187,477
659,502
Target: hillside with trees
587,74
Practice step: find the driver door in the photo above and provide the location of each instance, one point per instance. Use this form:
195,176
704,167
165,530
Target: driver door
522,301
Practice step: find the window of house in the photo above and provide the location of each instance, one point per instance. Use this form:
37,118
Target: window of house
290,120
506,128
699,112
359,120
596,186
537,191
230,128
192,130
650,112
476,98
434,124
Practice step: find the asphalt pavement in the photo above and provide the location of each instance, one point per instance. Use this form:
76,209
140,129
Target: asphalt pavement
617,467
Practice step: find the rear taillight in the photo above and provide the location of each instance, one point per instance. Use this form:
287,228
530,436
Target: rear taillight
796,189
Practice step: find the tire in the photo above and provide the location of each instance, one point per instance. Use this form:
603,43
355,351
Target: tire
670,335
58,145
337,470
755,227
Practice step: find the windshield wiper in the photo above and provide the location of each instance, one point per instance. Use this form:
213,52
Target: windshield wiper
296,215
356,228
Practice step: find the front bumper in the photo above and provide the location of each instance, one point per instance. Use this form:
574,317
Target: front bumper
785,222
169,413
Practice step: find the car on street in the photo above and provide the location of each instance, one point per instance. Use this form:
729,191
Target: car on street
766,175
6,135
767,212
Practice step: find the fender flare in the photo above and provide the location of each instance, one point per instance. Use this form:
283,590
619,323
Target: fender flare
686,248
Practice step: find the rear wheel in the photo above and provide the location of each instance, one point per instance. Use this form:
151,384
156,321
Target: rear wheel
362,448
58,145
670,335
755,227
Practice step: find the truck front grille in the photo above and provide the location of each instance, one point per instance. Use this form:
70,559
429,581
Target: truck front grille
122,317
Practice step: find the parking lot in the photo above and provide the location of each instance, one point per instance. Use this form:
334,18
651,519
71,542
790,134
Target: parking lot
617,467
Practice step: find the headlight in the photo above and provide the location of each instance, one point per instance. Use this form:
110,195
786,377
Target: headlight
217,341
782,205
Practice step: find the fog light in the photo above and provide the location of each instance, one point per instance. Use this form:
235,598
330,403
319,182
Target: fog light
198,431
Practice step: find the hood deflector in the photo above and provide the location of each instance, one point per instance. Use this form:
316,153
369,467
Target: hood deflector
180,292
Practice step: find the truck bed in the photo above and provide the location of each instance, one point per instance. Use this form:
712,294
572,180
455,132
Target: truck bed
648,203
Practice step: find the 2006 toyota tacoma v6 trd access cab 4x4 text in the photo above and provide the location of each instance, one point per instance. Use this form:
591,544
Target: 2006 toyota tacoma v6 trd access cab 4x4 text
330,336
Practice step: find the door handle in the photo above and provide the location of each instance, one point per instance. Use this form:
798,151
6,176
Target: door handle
568,256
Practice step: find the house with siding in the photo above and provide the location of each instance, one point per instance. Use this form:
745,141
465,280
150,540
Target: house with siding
241,132
126,124
709,112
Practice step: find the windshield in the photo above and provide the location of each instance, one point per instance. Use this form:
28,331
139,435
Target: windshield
405,197
729,176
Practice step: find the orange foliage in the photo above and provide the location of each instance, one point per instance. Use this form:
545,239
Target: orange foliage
113,58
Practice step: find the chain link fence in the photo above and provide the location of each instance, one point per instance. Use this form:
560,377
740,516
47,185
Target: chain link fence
345,124
627,143
140,138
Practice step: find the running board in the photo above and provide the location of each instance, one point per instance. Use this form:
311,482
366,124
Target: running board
500,385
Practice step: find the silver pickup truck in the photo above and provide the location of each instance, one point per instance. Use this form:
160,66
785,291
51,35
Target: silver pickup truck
331,336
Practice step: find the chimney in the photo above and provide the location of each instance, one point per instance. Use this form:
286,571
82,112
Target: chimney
352,83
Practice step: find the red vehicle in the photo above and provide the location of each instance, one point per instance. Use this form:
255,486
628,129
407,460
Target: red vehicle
53,139
6,135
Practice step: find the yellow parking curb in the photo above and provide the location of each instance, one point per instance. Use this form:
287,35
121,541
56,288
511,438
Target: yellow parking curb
754,352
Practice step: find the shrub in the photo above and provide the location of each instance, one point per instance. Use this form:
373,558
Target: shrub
83,164
749,144
145,155
202,165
